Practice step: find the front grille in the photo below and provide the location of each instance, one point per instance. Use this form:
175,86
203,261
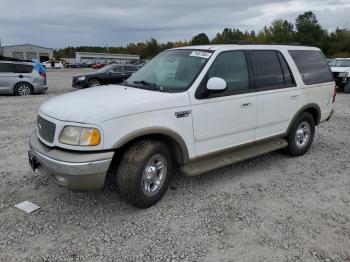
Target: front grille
46,129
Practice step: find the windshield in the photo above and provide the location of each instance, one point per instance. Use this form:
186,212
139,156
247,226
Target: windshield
173,70
340,63
104,69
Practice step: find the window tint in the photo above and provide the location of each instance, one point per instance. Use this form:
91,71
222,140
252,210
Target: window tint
6,68
117,69
312,66
130,68
288,77
23,68
267,69
232,67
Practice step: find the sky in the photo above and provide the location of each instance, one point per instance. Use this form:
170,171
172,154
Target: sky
60,23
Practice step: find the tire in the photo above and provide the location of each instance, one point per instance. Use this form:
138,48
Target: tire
23,89
94,82
347,87
134,183
301,135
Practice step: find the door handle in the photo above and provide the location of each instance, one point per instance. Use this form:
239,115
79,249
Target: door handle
245,105
20,76
295,96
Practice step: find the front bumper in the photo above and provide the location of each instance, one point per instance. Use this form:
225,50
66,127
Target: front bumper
80,84
75,170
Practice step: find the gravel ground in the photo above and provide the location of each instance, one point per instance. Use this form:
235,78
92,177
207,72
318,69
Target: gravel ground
271,208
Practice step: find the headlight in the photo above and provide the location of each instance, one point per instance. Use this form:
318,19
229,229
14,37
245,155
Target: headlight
343,74
81,78
80,136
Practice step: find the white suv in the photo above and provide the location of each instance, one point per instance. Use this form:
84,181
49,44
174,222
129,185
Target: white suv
196,108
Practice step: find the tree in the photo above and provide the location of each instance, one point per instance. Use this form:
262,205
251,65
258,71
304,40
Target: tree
200,39
309,31
281,31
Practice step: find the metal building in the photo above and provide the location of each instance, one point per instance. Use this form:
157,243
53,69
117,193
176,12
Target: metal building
27,52
87,57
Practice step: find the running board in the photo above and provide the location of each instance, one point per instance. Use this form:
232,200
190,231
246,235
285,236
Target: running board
210,163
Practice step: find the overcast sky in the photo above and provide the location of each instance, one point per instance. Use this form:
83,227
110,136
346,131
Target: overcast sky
59,23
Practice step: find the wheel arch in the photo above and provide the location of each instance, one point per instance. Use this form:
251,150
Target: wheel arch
171,138
22,82
313,109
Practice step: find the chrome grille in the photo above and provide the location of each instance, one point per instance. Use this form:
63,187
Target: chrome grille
46,129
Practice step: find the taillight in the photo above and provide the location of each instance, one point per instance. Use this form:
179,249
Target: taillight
334,94
43,74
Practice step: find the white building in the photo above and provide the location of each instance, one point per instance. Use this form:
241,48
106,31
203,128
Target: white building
27,52
87,57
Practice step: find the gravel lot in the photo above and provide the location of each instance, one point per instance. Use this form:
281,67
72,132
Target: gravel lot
271,208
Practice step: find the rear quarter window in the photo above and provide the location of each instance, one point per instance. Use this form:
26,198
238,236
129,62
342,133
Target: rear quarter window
23,68
312,66
6,68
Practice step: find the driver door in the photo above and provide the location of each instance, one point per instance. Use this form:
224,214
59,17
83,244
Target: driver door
116,75
225,119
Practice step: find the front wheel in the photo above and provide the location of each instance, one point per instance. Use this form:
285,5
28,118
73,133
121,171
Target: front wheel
301,135
94,82
144,173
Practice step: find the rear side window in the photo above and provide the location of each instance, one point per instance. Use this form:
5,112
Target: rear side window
312,66
267,69
130,68
23,68
6,68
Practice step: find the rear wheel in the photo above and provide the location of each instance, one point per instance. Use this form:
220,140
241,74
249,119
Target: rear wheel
94,82
301,135
144,172
23,89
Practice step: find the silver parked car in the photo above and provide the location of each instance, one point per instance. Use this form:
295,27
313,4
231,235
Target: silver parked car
22,78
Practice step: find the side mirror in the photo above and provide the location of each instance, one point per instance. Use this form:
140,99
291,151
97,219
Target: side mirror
216,84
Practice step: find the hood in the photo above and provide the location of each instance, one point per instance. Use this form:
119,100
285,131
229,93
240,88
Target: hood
340,69
102,103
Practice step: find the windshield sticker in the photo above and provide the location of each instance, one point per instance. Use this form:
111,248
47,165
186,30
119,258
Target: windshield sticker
201,54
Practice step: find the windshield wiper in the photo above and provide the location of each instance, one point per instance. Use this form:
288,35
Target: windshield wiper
150,84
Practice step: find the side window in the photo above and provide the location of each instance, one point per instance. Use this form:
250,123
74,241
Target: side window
267,69
288,76
117,69
232,67
130,68
312,66
23,68
6,68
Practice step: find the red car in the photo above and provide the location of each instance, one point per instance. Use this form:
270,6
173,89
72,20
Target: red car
98,65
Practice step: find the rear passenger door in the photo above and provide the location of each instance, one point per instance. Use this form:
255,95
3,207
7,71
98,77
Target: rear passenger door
129,70
278,95
228,118
7,77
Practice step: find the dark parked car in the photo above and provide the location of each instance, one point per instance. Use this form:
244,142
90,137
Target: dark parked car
111,74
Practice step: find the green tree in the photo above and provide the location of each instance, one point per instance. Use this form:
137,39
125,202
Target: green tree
281,31
309,31
200,39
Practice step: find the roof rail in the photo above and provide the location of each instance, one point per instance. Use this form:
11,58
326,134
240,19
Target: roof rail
273,43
